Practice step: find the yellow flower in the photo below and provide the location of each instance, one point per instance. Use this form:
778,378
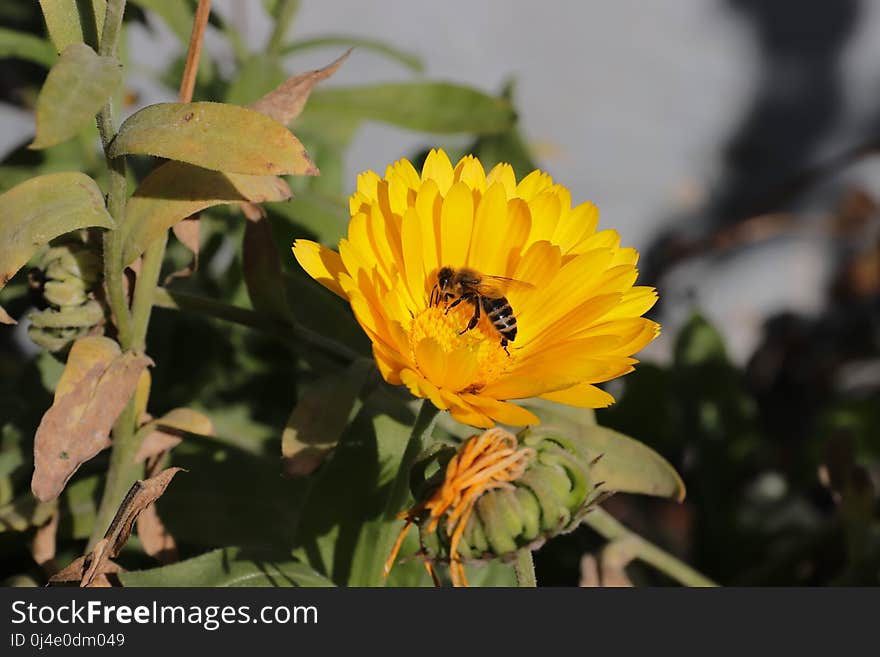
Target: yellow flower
578,316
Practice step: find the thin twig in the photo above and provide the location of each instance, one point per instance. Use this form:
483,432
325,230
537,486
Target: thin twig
190,70
609,527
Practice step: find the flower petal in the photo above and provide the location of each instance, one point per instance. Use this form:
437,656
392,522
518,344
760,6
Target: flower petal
502,411
320,263
489,251
583,395
421,387
456,225
438,168
470,171
503,173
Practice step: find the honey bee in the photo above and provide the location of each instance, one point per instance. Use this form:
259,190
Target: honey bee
485,293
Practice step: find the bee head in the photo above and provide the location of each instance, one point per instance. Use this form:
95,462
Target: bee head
444,277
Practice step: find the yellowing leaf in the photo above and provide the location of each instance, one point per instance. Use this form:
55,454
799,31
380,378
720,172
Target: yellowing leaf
286,102
41,209
187,420
73,21
78,85
175,190
95,386
214,136
320,417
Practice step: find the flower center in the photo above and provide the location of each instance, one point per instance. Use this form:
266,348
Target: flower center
477,351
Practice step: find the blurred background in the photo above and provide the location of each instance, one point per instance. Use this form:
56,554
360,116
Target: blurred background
734,143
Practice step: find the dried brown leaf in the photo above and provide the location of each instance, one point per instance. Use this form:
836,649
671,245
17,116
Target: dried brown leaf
43,545
156,443
166,432
81,566
94,388
89,568
286,101
187,233
156,539
5,318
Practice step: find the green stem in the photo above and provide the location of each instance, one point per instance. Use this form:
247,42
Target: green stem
419,439
120,474
524,567
609,527
284,16
117,188
144,293
292,333
123,450
112,27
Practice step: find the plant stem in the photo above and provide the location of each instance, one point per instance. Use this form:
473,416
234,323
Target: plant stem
148,279
524,567
419,438
190,70
120,474
609,527
117,187
284,16
294,333
132,329
116,483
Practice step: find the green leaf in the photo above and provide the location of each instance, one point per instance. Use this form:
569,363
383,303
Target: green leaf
698,343
78,85
228,567
74,21
320,417
338,531
410,60
26,46
628,466
259,74
177,14
214,136
427,106
175,190
41,209
230,495
79,506
261,266
508,146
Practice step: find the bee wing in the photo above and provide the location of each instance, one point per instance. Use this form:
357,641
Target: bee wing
498,286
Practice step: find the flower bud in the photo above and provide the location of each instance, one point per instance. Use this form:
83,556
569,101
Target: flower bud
66,277
500,493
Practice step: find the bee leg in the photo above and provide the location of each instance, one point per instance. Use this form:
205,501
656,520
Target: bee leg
454,304
474,319
504,344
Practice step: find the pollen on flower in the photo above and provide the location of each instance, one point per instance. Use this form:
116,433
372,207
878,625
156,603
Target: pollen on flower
481,345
